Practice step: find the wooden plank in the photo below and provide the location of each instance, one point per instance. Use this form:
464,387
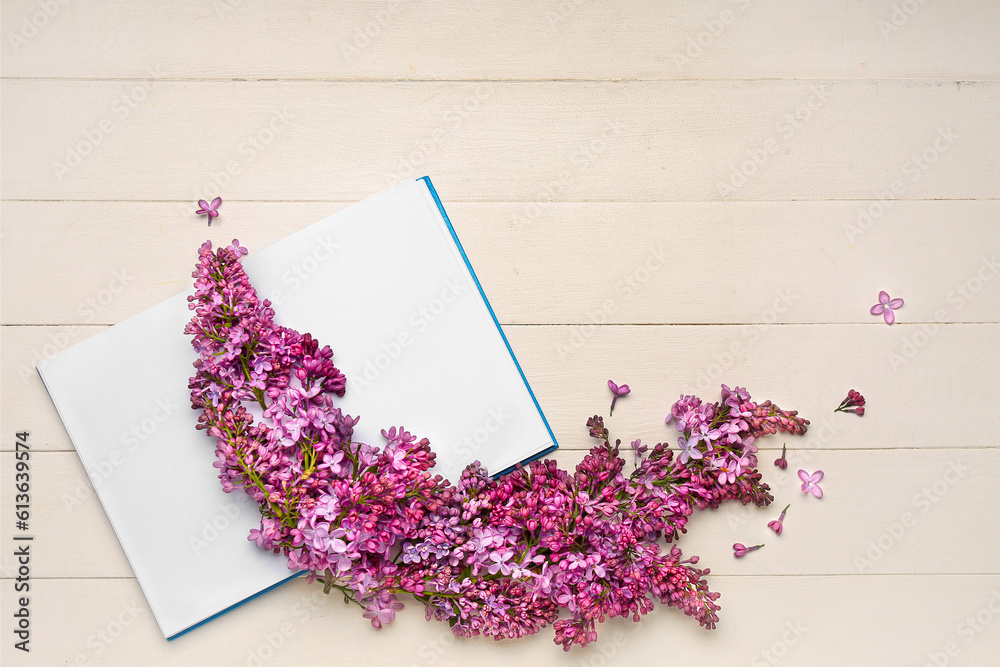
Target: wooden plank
570,140
557,141
908,515
138,253
638,263
24,403
822,621
902,371
388,39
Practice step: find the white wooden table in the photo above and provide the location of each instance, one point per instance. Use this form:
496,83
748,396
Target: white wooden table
667,194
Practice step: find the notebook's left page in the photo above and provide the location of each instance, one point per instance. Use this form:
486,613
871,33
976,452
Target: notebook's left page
122,396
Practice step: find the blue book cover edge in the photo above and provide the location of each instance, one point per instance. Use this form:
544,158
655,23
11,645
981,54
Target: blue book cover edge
238,604
496,323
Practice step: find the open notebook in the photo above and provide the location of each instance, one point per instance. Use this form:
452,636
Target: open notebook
387,285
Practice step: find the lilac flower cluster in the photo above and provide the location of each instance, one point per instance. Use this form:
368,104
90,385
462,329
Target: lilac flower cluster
720,438
854,402
497,557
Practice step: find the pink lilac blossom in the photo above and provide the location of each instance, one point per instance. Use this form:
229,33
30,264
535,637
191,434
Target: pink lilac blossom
499,557
739,551
854,402
211,210
616,392
778,525
885,306
639,450
782,461
810,482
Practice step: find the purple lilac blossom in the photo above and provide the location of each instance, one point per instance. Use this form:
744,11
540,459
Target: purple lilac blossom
496,557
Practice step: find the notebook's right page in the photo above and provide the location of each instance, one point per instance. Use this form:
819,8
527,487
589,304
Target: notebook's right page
415,337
